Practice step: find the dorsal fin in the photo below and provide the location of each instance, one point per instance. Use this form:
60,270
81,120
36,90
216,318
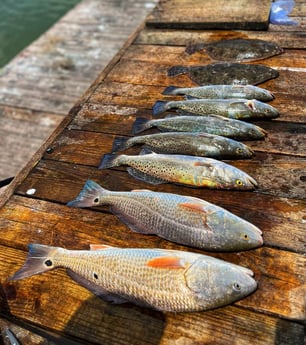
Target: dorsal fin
99,246
166,262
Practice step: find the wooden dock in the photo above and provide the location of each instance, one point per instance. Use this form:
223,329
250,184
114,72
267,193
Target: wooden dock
42,83
52,308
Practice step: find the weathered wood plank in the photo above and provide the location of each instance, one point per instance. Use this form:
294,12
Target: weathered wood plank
176,55
288,39
281,274
14,138
60,182
218,14
30,334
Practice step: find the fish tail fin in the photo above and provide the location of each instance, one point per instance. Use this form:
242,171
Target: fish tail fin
177,70
39,260
140,125
120,144
170,90
89,196
109,160
159,107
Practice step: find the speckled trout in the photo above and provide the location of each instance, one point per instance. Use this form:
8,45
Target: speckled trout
233,108
182,219
187,143
193,171
222,91
166,280
212,124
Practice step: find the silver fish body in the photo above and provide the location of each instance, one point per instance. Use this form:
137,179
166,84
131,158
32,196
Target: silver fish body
226,73
165,280
231,108
186,220
197,144
182,169
222,92
238,49
212,124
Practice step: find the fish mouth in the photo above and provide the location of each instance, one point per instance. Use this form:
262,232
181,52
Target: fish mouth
252,182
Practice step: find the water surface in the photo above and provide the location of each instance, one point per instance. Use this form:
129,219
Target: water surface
22,21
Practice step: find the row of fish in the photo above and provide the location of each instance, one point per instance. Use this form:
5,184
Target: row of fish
171,280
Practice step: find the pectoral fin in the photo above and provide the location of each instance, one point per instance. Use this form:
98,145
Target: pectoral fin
166,262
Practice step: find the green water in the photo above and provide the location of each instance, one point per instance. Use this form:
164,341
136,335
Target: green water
22,21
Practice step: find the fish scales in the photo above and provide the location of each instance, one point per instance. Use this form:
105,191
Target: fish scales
222,92
212,124
183,169
182,219
198,144
238,49
231,108
165,280
225,73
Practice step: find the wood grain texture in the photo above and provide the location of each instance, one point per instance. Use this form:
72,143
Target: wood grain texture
242,14
280,291
125,90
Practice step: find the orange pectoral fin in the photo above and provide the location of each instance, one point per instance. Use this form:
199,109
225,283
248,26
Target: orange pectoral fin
99,246
166,262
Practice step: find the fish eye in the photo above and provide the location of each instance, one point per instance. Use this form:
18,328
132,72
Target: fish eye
48,263
239,183
246,237
236,287
239,150
96,200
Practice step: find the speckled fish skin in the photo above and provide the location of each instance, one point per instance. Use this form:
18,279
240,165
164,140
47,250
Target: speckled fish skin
222,92
165,280
192,171
233,108
238,49
183,219
212,124
197,144
226,73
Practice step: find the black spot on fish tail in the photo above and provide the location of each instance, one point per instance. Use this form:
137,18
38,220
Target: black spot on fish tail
89,195
177,70
140,125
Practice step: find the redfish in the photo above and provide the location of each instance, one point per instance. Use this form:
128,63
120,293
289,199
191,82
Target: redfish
232,108
182,219
222,92
212,124
166,280
193,171
197,144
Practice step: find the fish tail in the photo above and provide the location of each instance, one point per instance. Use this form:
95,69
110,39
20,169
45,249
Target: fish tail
120,144
170,90
140,125
109,161
159,107
89,196
39,260
177,70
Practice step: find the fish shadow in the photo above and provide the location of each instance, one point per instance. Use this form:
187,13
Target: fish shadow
100,322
